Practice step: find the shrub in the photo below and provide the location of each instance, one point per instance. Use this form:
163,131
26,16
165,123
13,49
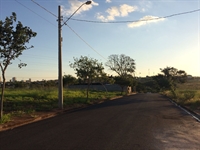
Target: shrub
5,118
188,95
185,96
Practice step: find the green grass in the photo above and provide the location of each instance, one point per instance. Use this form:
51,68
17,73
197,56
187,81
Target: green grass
187,94
46,99
5,118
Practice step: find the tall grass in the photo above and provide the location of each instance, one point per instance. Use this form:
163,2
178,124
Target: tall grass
45,99
187,94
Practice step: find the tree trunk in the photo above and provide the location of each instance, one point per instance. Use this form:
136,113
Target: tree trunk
2,95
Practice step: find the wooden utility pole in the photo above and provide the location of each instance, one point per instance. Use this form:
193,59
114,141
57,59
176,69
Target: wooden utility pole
60,78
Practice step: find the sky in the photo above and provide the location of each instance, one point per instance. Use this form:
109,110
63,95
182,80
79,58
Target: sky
155,33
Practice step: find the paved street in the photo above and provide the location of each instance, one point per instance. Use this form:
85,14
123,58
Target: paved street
137,122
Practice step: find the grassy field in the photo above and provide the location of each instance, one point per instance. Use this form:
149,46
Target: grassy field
45,99
28,101
187,94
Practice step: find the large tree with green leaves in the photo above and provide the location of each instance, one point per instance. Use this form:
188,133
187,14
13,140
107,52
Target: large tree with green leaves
87,69
13,39
169,78
121,64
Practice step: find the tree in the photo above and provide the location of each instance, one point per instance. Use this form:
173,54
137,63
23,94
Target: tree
69,80
13,37
125,81
122,81
170,77
121,64
87,69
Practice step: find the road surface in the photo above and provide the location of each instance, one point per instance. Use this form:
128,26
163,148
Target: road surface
137,122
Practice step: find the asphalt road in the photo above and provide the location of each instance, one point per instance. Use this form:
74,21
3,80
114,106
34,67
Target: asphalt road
137,122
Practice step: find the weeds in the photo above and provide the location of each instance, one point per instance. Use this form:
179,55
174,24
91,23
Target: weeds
30,100
5,118
187,94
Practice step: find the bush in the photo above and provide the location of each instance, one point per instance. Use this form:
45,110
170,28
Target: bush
184,96
5,118
188,95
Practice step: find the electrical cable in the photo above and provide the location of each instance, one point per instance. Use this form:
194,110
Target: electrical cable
44,8
85,41
35,13
68,26
72,15
177,14
129,21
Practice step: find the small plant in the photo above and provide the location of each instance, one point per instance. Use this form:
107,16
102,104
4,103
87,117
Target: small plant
189,94
5,118
18,113
30,111
185,96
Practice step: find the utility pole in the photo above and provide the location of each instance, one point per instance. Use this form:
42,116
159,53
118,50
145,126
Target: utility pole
60,78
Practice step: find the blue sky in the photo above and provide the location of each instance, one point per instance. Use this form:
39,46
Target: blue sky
155,44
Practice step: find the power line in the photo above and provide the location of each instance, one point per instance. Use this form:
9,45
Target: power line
85,42
67,25
129,21
35,13
44,8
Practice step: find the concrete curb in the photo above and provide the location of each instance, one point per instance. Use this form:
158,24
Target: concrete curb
195,115
53,114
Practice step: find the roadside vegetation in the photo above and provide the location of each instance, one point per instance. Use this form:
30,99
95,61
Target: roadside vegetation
187,94
22,101
19,98
176,85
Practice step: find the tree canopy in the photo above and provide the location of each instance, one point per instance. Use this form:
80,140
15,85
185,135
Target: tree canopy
13,39
169,77
87,69
121,64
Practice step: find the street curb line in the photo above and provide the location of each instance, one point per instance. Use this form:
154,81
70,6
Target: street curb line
53,114
191,113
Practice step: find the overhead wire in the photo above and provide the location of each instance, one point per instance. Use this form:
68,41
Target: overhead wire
85,41
129,21
70,28
92,21
35,13
65,24
126,21
44,9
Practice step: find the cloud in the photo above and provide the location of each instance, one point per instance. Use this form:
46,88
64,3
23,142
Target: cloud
74,5
108,1
145,20
144,5
121,11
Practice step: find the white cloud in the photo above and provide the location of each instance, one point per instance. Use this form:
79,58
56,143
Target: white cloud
113,12
145,20
145,5
125,9
74,5
108,1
